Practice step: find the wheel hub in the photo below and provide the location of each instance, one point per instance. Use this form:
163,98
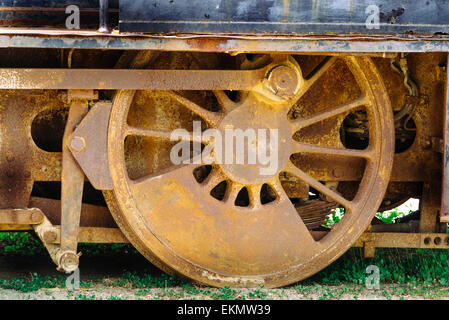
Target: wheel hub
256,143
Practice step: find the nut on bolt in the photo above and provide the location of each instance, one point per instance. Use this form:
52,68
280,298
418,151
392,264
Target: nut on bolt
283,81
78,144
68,261
36,216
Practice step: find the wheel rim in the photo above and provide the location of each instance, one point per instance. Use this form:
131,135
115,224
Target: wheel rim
172,216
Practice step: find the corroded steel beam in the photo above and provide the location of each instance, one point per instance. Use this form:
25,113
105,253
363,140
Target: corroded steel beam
95,235
72,184
444,213
115,79
21,216
404,240
82,39
91,215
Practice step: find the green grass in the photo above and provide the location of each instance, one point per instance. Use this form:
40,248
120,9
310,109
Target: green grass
389,217
26,244
410,271
398,266
35,282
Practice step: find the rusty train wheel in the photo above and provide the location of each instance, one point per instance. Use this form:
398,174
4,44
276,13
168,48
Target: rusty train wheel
172,216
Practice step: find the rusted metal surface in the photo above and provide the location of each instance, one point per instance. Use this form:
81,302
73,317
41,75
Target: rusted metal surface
409,227
91,215
43,230
15,174
405,240
72,183
218,242
88,145
93,235
102,235
284,17
51,237
186,214
82,39
444,215
129,79
430,207
21,161
21,216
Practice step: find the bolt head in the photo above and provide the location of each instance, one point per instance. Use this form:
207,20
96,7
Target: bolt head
78,144
36,216
283,81
69,261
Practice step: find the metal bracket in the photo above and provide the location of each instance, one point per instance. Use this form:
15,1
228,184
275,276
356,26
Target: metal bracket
72,184
88,144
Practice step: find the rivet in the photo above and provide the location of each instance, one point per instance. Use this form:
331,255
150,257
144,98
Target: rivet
78,144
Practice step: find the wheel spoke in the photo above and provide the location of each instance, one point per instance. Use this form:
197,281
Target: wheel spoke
212,118
299,147
254,196
319,71
276,185
232,192
300,123
294,170
163,134
226,104
212,180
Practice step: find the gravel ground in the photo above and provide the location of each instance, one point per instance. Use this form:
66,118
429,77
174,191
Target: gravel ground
103,292
122,277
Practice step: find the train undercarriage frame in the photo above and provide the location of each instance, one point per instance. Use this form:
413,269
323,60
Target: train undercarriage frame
97,124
